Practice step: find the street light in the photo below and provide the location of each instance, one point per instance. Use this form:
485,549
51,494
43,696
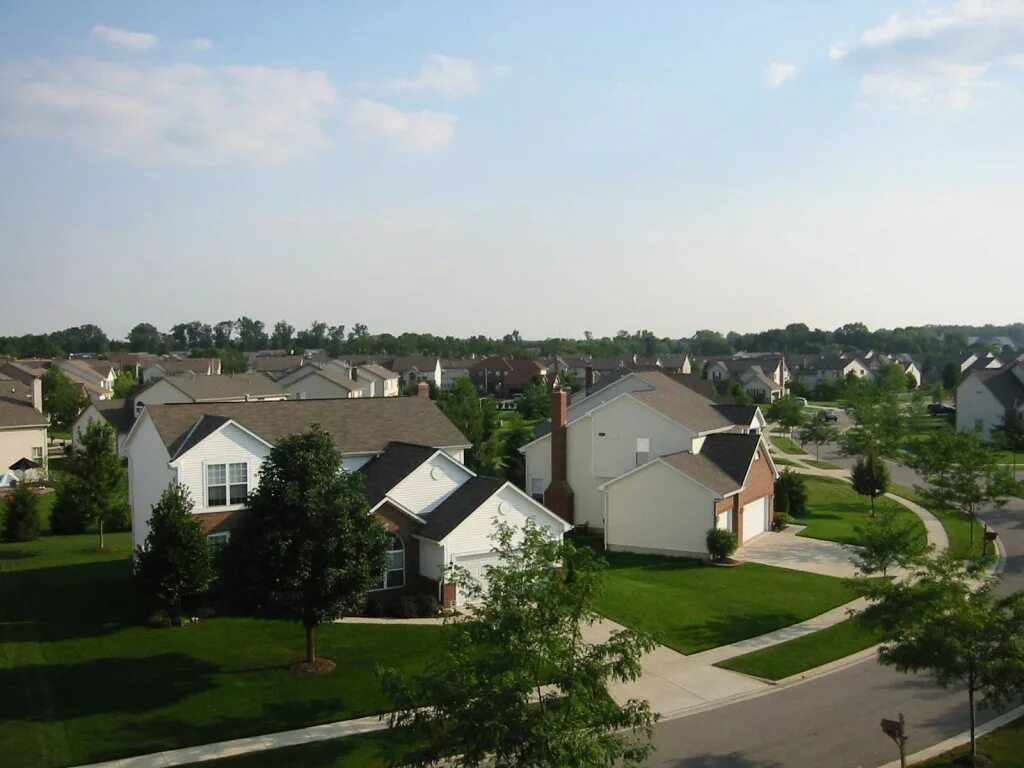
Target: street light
897,731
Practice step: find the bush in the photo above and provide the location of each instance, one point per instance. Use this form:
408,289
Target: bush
159,620
67,516
781,520
781,498
428,606
721,544
404,607
794,487
22,520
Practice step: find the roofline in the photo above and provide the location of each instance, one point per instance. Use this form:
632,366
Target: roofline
659,459
400,507
135,424
506,484
174,459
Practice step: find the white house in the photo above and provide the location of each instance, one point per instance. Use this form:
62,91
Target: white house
830,369
454,369
118,413
642,416
414,368
984,397
201,366
192,388
377,381
310,382
22,426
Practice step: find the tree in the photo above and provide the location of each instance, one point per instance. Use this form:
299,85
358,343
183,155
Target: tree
222,333
62,399
97,483
787,412
880,417
950,376
308,546
886,542
517,684
517,434
962,474
21,522
794,487
145,337
461,404
536,400
1009,436
816,432
66,517
937,621
125,382
283,335
251,335
870,476
175,564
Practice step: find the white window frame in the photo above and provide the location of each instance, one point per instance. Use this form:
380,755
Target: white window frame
388,569
226,463
220,539
37,453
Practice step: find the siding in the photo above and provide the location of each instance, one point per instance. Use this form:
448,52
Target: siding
315,387
161,393
148,475
473,536
87,417
658,510
429,484
974,401
431,560
231,444
18,443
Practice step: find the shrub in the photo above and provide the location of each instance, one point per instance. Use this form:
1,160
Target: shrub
721,544
67,516
22,520
794,487
428,606
781,498
408,607
159,620
781,520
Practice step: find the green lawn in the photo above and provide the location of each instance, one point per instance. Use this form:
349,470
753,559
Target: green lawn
786,445
834,510
1004,745
690,606
821,464
957,525
83,681
371,750
785,659
785,462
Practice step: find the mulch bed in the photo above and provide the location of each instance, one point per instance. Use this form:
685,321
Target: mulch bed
318,667
727,563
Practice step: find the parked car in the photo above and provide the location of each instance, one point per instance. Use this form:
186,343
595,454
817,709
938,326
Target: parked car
830,416
940,409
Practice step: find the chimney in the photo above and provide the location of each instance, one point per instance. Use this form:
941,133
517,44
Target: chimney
422,388
37,394
559,496
588,380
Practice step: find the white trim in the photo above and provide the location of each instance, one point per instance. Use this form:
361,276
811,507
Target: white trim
400,507
717,494
177,457
562,523
227,462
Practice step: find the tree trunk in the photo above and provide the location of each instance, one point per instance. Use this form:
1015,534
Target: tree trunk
872,505
310,645
970,518
970,699
101,533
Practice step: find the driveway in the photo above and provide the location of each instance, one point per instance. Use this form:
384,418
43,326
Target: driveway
784,549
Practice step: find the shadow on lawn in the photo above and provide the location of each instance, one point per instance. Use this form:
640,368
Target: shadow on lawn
101,686
714,632
63,602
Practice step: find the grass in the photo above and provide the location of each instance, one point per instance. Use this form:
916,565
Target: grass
957,525
785,462
834,510
370,750
1005,746
821,464
58,434
83,681
786,445
690,606
794,656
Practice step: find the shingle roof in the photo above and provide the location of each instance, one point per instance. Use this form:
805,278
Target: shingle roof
276,363
680,403
722,463
447,516
201,365
224,386
359,425
737,414
14,390
1004,386
337,377
422,363
379,370
119,413
384,472
14,414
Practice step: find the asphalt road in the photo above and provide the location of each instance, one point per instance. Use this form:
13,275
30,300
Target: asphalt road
833,721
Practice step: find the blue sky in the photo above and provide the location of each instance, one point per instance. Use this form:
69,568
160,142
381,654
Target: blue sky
473,168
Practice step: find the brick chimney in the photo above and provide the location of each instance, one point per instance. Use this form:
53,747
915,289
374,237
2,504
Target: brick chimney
588,380
422,388
559,496
37,394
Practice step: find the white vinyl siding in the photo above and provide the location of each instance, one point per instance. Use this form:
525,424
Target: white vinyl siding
473,535
231,445
163,392
975,402
429,484
22,443
315,387
148,475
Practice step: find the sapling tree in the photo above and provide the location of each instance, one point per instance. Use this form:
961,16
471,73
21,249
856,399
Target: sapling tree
870,477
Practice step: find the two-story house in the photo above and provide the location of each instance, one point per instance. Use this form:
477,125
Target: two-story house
575,463
984,397
192,388
504,376
313,382
23,426
377,381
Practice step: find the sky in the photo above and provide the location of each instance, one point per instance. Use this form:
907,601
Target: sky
463,168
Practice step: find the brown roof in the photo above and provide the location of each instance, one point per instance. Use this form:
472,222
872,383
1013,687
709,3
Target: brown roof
276,363
680,403
360,425
14,414
379,370
702,469
201,365
223,387
14,390
119,413
721,465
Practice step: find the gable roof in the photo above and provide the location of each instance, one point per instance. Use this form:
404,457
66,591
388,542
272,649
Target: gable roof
680,403
358,425
14,414
459,505
335,376
14,390
423,363
118,413
722,463
202,365
275,363
378,370
1004,386
223,386
384,472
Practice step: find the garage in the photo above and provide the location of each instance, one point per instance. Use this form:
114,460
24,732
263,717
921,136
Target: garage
755,518
476,566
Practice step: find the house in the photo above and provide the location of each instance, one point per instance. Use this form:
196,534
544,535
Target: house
504,376
980,361
764,378
831,369
91,382
411,455
377,381
414,368
906,364
275,365
96,376
311,382
118,413
192,388
575,462
201,366
453,369
985,396
23,426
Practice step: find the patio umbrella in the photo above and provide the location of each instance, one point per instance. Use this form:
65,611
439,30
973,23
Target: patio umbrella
21,465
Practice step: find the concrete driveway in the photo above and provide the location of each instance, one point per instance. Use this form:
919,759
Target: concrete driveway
784,549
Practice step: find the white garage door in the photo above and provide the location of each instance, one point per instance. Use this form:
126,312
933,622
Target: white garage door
476,566
755,518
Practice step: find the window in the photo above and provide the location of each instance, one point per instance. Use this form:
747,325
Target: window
219,540
37,454
227,484
537,488
394,571
643,450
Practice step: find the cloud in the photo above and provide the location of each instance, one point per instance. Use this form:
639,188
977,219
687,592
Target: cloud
419,130
442,75
202,43
779,72
941,58
123,38
177,113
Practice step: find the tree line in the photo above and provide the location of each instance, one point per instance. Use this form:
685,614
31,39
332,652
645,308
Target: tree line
246,334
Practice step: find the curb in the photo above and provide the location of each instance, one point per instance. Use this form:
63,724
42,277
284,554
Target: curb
959,740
